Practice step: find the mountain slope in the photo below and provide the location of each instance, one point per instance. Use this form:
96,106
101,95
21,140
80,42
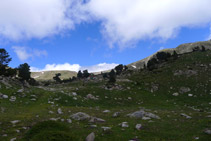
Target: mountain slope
48,75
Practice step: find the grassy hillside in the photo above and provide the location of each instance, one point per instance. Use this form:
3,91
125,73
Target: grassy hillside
48,75
179,92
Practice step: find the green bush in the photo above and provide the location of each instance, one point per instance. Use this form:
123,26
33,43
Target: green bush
50,131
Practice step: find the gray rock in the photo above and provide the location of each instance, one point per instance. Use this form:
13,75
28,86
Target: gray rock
124,124
142,113
54,119
185,115
69,120
207,131
5,96
190,95
13,139
106,128
106,111
12,98
138,126
116,114
15,121
175,94
50,112
95,119
80,116
20,90
90,96
90,137
93,126
59,111
184,90
74,93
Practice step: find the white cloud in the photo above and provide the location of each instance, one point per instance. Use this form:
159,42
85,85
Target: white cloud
126,21
25,53
76,67
25,19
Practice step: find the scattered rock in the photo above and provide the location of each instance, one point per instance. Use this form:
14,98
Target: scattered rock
185,115
95,119
51,112
207,131
106,128
142,113
80,116
20,90
74,93
190,95
106,111
75,98
124,124
175,94
69,121
15,121
90,137
12,98
93,126
54,119
90,96
116,114
138,126
5,96
59,111
184,90
13,139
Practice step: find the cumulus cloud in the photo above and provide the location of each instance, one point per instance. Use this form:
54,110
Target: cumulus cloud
25,53
125,22
25,19
76,67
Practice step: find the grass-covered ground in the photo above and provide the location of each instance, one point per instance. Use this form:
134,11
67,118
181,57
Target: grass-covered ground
149,90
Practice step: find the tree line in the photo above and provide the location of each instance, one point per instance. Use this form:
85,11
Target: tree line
22,71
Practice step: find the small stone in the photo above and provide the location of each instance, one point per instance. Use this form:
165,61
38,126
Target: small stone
106,128
106,111
129,98
175,94
5,135
207,131
50,112
74,93
190,95
90,137
116,114
80,116
138,126
95,119
5,96
20,90
186,116
12,98
69,121
124,124
13,139
59,111
15,121
93,126
75,98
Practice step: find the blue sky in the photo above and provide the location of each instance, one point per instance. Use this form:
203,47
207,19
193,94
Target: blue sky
97,34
